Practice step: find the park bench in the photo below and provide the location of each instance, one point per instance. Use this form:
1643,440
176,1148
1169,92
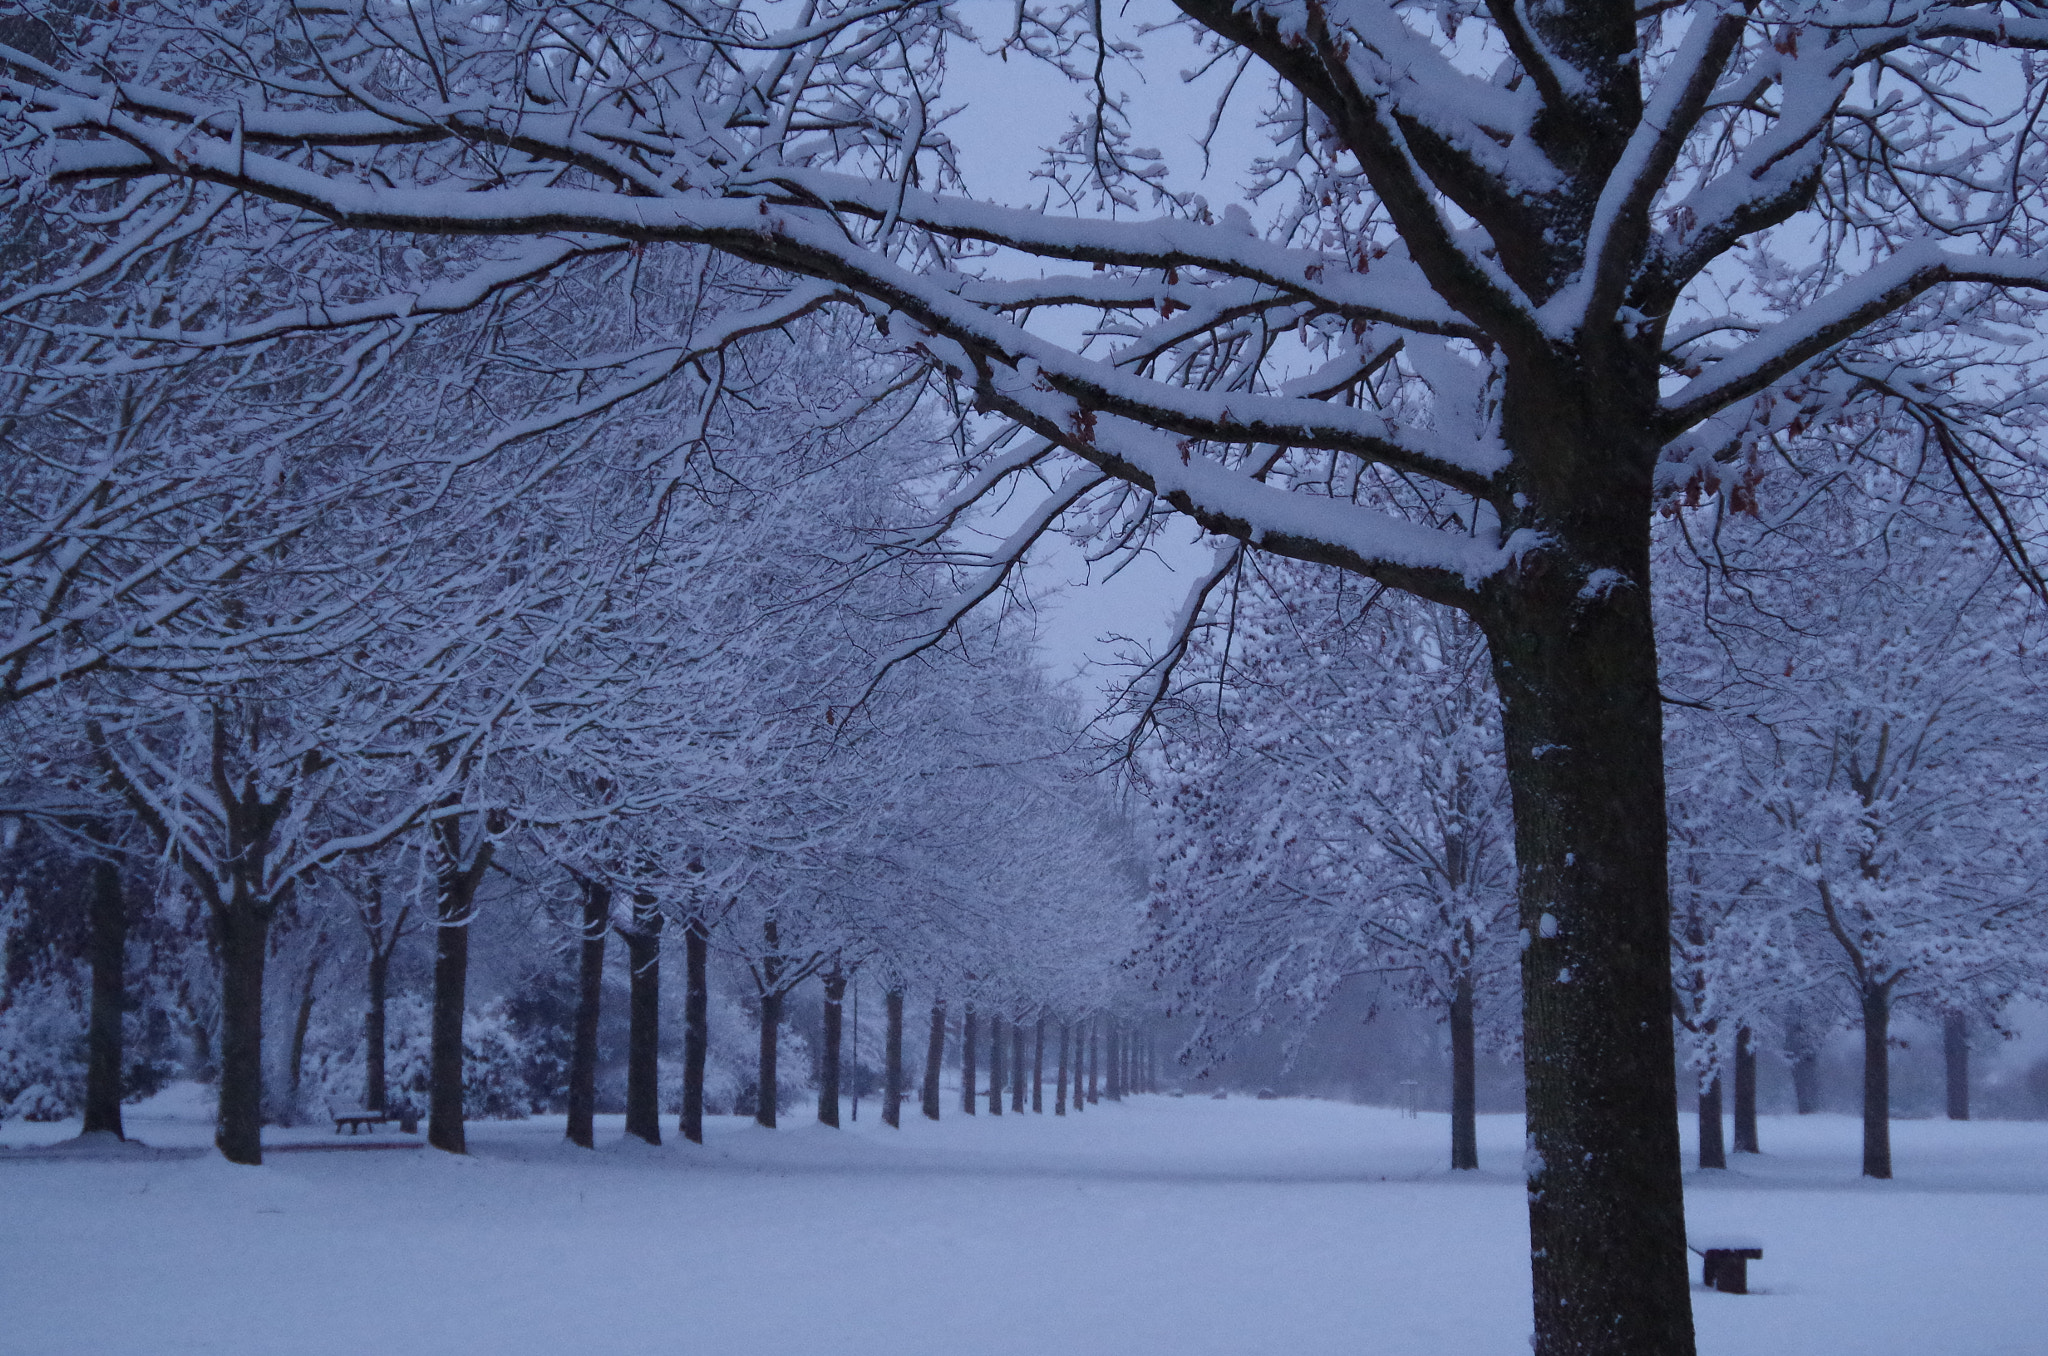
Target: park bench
1724,1261
364,1119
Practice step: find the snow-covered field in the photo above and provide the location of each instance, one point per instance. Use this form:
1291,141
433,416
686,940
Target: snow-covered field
1163,1226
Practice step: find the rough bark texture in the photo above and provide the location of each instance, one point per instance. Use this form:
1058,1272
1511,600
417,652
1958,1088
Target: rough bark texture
1877,1081
1713,1149
696,1026
828,1063
1583,729
109,954
1745,1092
1955,1057
934,1061
1464,1090
244,940
892,1059
765,1070
643,1034
967,1053
595,925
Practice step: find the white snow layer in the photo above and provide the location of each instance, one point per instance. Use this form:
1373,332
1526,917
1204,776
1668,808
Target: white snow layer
1160,1226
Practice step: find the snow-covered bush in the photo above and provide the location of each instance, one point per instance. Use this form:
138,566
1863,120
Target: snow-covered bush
42,1048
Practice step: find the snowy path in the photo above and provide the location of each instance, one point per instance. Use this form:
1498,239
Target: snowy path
1180,1227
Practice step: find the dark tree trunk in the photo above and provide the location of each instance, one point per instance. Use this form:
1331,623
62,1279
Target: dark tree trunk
1113,1059
1713,1149
1464,1084
696,1026
1094,1061
892,1060
1017,1067
244,943
643,1032
373,1027
595,924
303,1018
1059,1087
1745,1092
934,1060
771,1031
1955,1057
109,954
828,1070
1582,726
996,1027
967,1051
1877,1081
455,889
1038,1069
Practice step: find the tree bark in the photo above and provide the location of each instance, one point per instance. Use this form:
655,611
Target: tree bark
1713,1149
1038,1069
1877,1080
1017,1067
934,1060
967,1052
1094,1040
1464,1080
373,1028
696,1025
828,1070
596,923
1113,1060
1059,1087
455,886
1582,725
244,943
643,1032
109,922
1955,1058
1806,1081
892,1060
995,1065
1745,1092
765,1070
302,1019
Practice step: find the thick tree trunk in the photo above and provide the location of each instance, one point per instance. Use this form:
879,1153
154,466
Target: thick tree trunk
1955,1058
109,956
596,923
1464,1082
1059,1087
1038,1069
934,1060
302,1019
1806,1082
1877,1081
1745,1092
765,1070
1713,1149
892,1059
828,1064
1583,730
244,944
1017,1067
373,1027
643,1032
696,1025
455,889
996,1028
967,1053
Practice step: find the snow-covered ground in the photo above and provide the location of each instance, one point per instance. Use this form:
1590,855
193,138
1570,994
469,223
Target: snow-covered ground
1169,1226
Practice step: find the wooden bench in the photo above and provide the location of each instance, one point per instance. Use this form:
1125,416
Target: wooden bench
1724,1261
364,1119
